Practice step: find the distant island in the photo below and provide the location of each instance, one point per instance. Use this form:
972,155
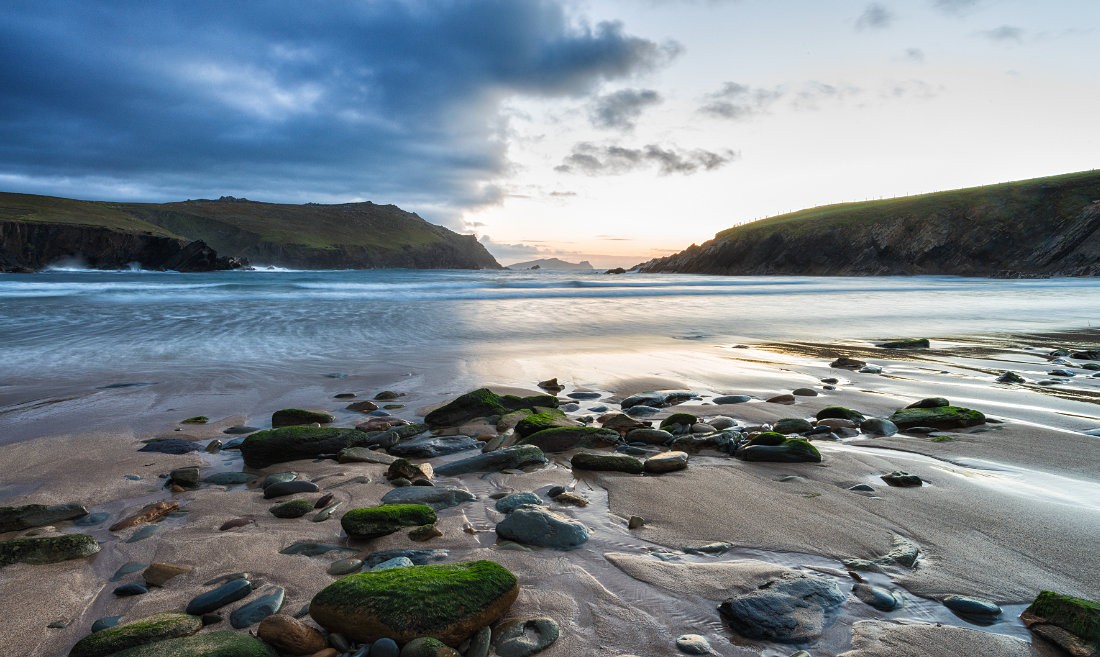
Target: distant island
553,264
227,233
1040,227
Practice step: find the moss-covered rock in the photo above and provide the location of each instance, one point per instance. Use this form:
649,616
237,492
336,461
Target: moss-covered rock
607,463
150,629
905,343
841,413
291,509
483,403
378,521
771,438
560,439
449,602
940,417
930,402
792,425
427,646
14,518
47,549
198,419
1077,616
289,417
682,419
212,644
265,448
794,450
547,419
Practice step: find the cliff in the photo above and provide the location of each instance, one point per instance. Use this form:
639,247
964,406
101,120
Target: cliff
311,236
1040,227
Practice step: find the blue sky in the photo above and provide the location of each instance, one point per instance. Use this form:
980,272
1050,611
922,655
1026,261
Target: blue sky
605,130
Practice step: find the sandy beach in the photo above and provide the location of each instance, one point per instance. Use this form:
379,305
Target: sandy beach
1008,508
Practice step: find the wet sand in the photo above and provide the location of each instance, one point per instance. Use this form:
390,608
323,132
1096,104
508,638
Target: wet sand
1010,508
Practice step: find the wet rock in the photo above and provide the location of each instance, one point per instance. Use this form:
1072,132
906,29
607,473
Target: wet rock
344,566
794,450
930,402
480,642
133,588
47,549
291,509
902,479
278,478
841,413
870,369
876,596
150,629
234,523
427,646
658,399
396,562
862,488
368,523
291,417
484,403
438,498
16,518
403,468
231,591
722,422
535,525
666,462
877,426
511,502
259,609
1072,623
847,363
105,623
432,446
975,610
649,436
731,399
679,423
159,574
362,406
782,399
508,458
635,522
290,635
693,644
364,455
449,602
418,557
560,439
790,610
584,394
607,463
290,488
240,430
522,638
384,647
266,448
229,478
226,643
623,424
905,343
792,425
569,497
1011,377
170,446
326,513
940,417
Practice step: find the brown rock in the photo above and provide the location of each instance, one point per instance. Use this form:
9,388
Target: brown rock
290,635
425,533
151,513
234,523
847,363
782,399
159,573
571,498
403,468
362,406
621,423
381,423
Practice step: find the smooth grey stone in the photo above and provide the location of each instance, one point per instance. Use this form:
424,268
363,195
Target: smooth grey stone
105,623
509,457
512,502
693,644
418,557
649,436
133,588
642,410
229,478
658,398
876,596
431,446
313,549
571,408
709,548
878,426
232,444
344,566
128,568
231,591
535,525
584,395
437,497
970,608
791,609
384,647
732,399
258,609
278,478
284,488
870,369
363,651
599,408
804,392
522,638
396,562
862,488
479,644
722,422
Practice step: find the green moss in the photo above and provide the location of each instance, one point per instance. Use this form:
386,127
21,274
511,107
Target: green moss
559,439
792,425
841,413
942,439
941,417
607,463
288,417
150,629
224,643
198,419
372,522
265,448
679,418
769,438
536,422
47,549
291,509
794,450
1076,615
484,403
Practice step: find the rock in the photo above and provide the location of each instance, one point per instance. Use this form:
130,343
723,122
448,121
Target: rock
569,497
449,602
511,502
535,525
170,446
635,522
930,402
362,406
862,488
770,438
92,519
383,421
584,394
870,369
344,566
731,399
847,363
403,468
432,446
266,448
560,439
158,574
151,629
427,646
722,422
902,479
143,533
290,635
437,497
607,463
839,412
975,610
693,444
790,610
878,426
234,523
231,591
781,399
693,644
658,399
1072,623
794,450
522,638
229,478
198,419
532,423
837,423
239,429
16,518
105,623
1011,377
225,643
679,423
941,417
508,458
876,596
396,562
259,609
418,557
378,521
290,488
384,647
47,549
666,462
623,424
905,343
291,417
480,642
483,403
291,509
792,425
132,588
364,455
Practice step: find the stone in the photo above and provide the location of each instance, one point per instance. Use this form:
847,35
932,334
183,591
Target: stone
623,424
666,462
1072,623
344,566
225,643
432,446
679,423
722,422
362,406
1011,377
635,522
150,629
105,623
364,455
508,458
170,446
649,436
133,588
877,426
231,591
876,596
280,445
658,399
396,562
47,549
418,557
259,609
940,417
793,450
511,502
384,647
792,425
234,523
290,635
522,638
569,497
538,526
782,399
290,488
837,423
930,402
229,478
483,403
607,463
16,518
437,497
731,399
902,479
425,533
368,523
290,417
291,509
449,602
480,642
839,412
862,488
150,513
403,468
159,574
693,644
847,363
560,439
789,610
975,610
427,646
870,369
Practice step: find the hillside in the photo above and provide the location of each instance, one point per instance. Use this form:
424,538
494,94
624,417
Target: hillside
38,230
552,264
1040,227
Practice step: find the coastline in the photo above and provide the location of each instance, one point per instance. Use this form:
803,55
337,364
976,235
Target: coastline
1006,512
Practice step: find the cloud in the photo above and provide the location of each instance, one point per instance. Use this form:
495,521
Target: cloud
621,109
875,17
915,55
955,6
611,159
1004,34
814,93
390,101
504,251
737,101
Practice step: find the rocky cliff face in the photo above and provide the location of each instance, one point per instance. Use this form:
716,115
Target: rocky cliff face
26,246
1036,230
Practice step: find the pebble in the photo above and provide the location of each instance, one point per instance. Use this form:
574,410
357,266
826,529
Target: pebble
133,588
127,568
801,392
731,399
231,591
278,477
344,566
92,519
635,522
522,638
584,395
290,488
876,596
396,562
693,644
105,623
782,399
258,609
972,609
326,513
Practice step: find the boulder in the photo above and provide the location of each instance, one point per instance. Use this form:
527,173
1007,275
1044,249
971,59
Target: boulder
510,503
429,446
449,602
679,423
839,412
482,403
607,463
792,425
666,462
877,426
265,448
290,635
511,457
15,518
789,610
535,525
1072,623
225,643
560,439
940,417
794,450
545,419
291,509
150,629
289,417
437,497
47,549
386,519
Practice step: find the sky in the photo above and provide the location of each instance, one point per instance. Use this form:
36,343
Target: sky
612,131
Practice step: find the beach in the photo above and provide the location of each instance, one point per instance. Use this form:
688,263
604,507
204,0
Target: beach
1007,507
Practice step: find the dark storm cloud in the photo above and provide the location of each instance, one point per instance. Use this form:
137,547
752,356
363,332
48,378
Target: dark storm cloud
620,110
285,100
875,17
611,159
